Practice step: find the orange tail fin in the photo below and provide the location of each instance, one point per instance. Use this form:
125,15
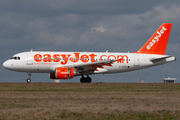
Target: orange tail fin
158,41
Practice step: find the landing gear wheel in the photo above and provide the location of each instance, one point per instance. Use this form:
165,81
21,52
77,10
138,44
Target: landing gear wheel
88,80
83,80
28,80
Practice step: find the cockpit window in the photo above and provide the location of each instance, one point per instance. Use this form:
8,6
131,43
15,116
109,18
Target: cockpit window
15,58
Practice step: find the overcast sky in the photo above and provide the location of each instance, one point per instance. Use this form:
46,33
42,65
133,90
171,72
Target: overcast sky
88,25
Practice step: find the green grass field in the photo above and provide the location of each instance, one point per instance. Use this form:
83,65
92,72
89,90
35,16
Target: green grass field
77,101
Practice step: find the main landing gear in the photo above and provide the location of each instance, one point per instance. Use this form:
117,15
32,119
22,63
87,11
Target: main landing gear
29,78
85,79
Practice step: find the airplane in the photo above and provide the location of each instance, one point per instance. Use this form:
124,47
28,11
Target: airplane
66,65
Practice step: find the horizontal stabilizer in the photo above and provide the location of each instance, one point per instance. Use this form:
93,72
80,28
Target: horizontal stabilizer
166,58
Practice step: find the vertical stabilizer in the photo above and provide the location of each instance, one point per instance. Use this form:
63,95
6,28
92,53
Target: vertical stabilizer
158,41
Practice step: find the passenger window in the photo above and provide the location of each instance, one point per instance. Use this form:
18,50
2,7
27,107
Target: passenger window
18,58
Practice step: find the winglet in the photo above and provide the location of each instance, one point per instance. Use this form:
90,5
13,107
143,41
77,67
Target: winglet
158,41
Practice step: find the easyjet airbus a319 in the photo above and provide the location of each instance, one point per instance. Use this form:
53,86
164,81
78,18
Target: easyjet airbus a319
66,65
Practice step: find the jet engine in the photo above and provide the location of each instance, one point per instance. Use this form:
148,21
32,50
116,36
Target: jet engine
63,73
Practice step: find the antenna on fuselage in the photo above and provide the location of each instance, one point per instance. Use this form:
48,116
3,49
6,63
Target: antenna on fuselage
106,51
31,50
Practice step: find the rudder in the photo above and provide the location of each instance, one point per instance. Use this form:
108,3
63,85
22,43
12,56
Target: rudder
158,41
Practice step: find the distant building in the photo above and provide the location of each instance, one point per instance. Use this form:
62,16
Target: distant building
56,81
169,80
143,81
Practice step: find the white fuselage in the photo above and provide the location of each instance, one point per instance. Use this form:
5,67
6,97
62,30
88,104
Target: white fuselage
46,62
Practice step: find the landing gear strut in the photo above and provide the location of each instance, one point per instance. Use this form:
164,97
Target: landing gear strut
85,80
29,78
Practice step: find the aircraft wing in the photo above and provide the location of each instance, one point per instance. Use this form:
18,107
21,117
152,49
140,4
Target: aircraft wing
90,67
94,67
98,63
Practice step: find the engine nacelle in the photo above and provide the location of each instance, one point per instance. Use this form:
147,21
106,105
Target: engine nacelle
63,73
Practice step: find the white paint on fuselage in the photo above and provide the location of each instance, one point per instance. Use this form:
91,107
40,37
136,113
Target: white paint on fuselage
135,62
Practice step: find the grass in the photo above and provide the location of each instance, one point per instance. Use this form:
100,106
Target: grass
89,101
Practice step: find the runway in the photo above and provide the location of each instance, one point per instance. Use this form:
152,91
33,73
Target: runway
89,101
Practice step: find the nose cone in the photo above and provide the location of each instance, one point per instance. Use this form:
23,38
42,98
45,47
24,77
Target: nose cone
7,65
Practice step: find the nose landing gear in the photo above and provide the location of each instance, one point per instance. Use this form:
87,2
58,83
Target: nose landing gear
29,78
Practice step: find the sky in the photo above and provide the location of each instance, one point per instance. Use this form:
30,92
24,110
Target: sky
88,25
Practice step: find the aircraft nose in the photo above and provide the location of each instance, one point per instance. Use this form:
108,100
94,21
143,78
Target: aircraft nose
6,65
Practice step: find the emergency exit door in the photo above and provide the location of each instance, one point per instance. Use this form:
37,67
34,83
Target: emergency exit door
136,60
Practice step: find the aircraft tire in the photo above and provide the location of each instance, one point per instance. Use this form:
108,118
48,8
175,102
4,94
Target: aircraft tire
83,80
28,80
88,80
